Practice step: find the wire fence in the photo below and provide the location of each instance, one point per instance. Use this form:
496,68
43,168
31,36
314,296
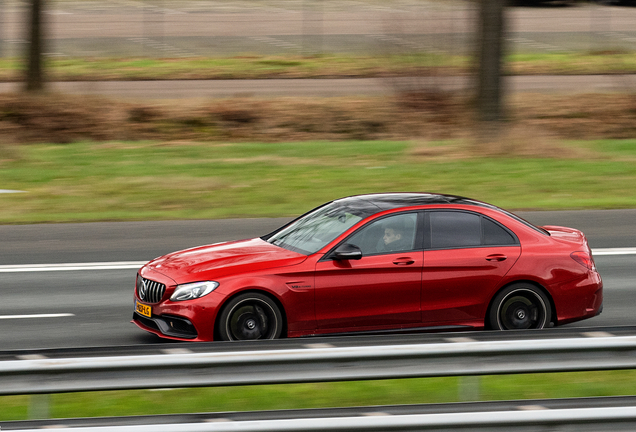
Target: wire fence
214,28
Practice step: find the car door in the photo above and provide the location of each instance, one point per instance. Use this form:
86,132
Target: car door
466,255
380,290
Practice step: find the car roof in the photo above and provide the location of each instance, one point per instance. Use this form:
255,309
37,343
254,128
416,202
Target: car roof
390,201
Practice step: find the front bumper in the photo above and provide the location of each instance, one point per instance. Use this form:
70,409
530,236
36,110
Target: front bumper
166,325
190,320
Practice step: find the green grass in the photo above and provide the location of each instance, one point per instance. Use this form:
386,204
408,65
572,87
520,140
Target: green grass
319,66
239,67
606,62
322,395
152,181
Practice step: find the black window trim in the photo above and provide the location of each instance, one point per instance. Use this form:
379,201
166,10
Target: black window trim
428,242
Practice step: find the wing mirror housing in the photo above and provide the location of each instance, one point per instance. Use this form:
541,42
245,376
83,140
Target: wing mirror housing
347,251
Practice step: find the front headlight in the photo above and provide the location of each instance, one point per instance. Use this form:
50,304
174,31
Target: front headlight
193,290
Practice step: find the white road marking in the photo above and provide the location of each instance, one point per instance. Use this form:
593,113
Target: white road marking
531,407
614,251
22,268
460,339
177,351
32,357
133,265
318,345
597,334
60,315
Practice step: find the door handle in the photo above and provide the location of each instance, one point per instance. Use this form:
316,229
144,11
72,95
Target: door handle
403,261
496,257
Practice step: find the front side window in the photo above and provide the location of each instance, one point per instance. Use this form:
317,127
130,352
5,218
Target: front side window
387,235
318,228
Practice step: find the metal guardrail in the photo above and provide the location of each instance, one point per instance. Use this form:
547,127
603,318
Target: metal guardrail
558,420
316,364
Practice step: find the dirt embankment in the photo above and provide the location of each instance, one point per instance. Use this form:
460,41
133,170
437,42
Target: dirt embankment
427,115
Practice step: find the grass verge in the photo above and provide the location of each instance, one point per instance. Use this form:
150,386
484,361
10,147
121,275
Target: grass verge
320,66
148,180
324,395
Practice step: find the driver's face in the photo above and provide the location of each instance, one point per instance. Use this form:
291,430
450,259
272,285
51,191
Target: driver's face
390,236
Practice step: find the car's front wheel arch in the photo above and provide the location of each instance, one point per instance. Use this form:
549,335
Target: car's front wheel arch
221,316
524,288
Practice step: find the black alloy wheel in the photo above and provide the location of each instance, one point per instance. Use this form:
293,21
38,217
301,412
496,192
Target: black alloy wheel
250,316
520,307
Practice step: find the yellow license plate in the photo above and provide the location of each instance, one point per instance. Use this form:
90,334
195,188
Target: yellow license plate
144,310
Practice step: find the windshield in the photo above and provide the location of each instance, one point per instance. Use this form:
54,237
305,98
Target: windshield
318,228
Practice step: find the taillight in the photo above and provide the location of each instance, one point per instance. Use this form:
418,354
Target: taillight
585,259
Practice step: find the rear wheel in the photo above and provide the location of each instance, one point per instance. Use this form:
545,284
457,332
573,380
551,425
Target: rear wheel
519,307
250,316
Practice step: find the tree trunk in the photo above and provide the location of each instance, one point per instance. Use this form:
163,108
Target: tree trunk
34,78
489,83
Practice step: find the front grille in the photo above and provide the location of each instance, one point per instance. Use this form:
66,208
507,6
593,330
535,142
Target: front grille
149,291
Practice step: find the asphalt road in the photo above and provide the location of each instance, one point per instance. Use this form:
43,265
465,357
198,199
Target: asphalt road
92,308
203,89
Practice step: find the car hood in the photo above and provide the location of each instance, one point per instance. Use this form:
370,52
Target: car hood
223,259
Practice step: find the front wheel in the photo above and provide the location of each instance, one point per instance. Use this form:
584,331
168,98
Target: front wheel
519,307
250,316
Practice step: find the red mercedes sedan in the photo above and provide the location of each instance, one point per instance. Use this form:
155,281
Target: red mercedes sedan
374,263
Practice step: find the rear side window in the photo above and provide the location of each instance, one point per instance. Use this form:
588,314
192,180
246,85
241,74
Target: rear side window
495,234
457,229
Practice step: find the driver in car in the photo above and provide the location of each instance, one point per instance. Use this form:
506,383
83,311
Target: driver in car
395,239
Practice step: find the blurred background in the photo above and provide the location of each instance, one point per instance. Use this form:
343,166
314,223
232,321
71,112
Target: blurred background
157,111
443,80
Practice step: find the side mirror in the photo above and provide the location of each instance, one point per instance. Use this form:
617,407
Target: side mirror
347,251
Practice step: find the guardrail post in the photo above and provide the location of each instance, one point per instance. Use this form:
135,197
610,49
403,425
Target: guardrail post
39,406
468,388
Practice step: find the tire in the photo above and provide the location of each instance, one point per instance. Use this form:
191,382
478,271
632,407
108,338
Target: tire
519,307
250,316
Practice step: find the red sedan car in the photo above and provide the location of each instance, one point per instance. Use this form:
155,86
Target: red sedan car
374,263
